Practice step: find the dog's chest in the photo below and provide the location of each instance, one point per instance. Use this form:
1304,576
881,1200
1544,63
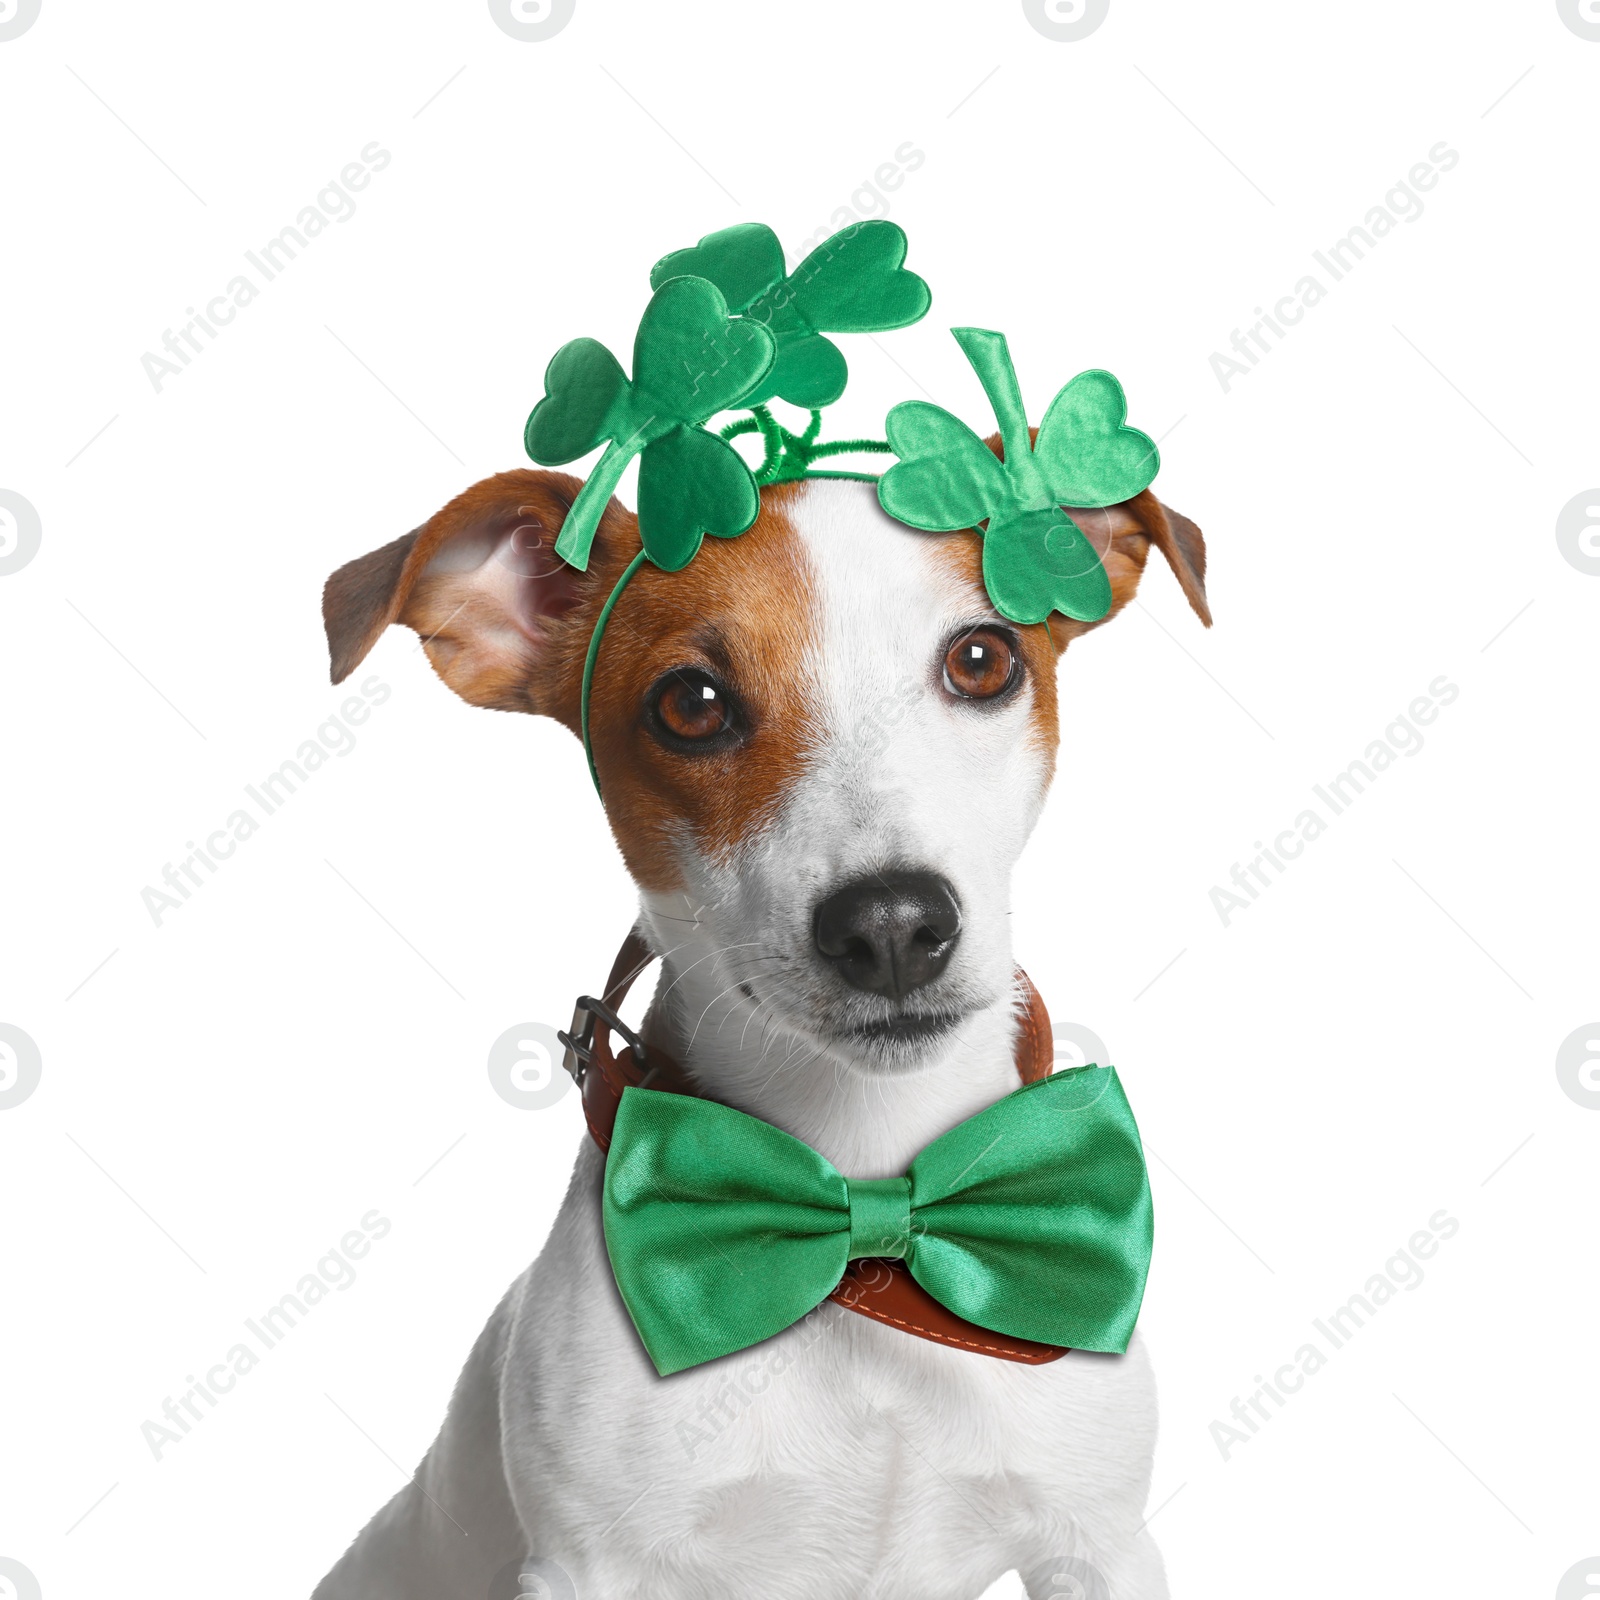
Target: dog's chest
838,1439
842,1460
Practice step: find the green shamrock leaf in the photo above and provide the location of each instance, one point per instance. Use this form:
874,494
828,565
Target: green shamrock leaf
1036,562
810,371
692,483
1088,453
854,282
691,359
947,477
1035,557
583,385
744,261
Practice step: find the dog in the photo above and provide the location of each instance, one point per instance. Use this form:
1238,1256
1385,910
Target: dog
821,752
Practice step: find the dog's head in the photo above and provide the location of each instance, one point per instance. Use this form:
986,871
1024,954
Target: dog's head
820,748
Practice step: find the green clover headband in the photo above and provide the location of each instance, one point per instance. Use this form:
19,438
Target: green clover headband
727,329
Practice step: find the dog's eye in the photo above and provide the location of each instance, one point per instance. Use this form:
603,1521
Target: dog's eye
980,665
691,707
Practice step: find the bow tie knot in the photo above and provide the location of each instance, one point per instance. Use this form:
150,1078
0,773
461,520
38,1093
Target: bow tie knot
880,1217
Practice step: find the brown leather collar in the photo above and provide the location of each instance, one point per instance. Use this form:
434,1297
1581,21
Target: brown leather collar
881,1289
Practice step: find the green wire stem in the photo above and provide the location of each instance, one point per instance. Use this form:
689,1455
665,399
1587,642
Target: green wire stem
839,447
589,660
786,455
773,436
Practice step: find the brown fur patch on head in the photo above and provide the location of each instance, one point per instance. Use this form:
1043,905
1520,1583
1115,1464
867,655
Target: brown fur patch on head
742,610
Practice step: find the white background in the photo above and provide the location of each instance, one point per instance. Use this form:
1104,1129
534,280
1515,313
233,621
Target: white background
305,1040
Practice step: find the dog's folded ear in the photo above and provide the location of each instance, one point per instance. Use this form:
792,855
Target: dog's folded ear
1123,535
480,582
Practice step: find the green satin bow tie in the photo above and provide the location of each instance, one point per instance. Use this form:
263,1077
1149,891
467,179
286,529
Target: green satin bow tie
1031,1219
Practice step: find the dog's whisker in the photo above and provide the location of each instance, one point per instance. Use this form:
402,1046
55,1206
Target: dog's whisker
766,1046
747,961
711,955
755,1006
694,1034
795,1043
761,1005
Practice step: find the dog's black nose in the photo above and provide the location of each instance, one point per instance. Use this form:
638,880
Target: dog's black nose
890,933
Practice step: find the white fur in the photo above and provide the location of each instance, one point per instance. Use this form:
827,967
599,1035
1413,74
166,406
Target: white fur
842,1460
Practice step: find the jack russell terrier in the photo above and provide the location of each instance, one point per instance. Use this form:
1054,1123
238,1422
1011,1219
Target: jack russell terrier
822,750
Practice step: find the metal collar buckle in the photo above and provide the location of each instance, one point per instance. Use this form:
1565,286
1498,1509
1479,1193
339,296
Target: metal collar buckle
579,1042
